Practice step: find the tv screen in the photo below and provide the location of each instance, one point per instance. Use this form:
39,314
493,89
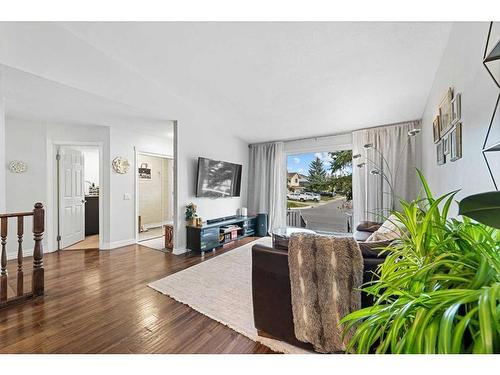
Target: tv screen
218,179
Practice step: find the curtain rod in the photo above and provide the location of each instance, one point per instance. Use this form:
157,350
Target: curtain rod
333,135
301,139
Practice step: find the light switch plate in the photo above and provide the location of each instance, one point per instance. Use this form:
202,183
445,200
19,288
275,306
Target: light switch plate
126,197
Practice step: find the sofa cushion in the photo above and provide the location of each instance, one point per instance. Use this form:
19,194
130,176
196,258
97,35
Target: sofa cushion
373,249
361,235
368,226
390,230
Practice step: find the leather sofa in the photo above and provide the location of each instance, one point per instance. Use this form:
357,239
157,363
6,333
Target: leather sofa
272,305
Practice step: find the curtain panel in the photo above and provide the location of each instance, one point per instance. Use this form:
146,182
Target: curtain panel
371,193
267,182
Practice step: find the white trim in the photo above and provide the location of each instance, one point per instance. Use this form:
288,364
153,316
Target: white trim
52,197
329,143
11,255
138,152
180,251
158,224
176,187
116,244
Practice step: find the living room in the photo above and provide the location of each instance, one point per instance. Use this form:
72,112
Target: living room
263,187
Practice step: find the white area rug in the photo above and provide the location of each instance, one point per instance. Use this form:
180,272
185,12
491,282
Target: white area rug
155,243
221,288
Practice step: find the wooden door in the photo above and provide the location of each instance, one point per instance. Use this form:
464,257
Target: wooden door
71,196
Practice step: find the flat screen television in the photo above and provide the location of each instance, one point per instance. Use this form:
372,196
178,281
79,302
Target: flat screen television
218,179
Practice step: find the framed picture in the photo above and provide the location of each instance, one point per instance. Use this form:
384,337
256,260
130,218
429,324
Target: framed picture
445,112
441,157
144,172
436,129
456,110
446,144
456,142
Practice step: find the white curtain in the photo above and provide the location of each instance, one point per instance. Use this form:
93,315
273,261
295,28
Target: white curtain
371,193
267,182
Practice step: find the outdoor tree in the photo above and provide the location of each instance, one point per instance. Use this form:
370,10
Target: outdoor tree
341,160
317,178
341,173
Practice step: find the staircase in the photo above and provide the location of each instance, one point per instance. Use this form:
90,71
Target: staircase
17,294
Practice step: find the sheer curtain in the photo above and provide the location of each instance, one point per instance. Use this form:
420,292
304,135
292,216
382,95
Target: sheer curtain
371,197
267,182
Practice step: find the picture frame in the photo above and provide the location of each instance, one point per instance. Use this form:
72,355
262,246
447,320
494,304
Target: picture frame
144,172
456,142
446,144
436,127
441,157
445,112
456,109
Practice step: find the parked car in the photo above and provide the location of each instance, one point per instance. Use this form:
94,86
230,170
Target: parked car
312,196
302,197
296,196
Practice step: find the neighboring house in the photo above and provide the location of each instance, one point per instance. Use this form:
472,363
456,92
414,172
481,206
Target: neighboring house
296,181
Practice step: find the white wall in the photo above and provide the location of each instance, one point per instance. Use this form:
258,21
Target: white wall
461,68
119,213
207,138
91,167
124,143
32,142
3,162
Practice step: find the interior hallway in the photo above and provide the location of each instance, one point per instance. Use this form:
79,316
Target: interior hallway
90,242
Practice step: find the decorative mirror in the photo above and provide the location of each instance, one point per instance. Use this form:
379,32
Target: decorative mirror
120,165
18,166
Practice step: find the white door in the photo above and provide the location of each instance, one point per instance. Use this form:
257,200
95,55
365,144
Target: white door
71,196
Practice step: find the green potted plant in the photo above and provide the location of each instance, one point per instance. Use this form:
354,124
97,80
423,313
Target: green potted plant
438,290
190,213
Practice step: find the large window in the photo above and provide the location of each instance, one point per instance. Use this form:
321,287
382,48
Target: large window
319,190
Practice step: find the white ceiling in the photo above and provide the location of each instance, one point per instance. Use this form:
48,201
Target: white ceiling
267,81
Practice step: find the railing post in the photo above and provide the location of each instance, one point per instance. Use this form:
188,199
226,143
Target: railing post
20,273
3,270
38,229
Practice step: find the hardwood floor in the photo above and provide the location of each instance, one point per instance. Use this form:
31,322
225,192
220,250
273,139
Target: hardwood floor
90,242
99,302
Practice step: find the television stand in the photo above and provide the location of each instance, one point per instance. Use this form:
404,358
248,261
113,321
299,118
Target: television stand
211,235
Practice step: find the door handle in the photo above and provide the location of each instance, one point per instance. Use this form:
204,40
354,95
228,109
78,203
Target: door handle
84,201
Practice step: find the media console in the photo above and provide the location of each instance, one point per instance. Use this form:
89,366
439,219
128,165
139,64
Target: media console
213,234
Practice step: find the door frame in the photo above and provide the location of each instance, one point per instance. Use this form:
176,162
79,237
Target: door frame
138,152
333,143
53,187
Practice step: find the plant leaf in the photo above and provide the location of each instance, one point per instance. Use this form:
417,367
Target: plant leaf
483,207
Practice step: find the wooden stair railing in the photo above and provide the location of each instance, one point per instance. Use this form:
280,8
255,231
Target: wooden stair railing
37,286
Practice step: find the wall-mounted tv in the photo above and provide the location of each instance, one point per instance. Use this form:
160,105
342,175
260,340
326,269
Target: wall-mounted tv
218,179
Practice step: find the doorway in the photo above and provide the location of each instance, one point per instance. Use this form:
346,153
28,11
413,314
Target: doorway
155,198
78,180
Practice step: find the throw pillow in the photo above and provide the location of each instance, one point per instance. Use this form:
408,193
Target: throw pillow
390,230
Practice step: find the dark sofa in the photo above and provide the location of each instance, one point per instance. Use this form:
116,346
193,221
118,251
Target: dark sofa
272,305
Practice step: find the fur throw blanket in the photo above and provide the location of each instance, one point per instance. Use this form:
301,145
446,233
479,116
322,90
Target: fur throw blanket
325,274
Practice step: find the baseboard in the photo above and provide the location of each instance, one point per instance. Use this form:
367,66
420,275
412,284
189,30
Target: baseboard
26,253
116,244
180,251
157,225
